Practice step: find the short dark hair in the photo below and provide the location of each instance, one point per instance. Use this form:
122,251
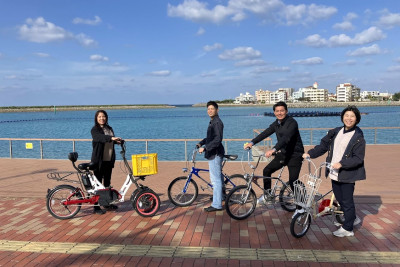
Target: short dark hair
97,114
355,110
280,104
212,103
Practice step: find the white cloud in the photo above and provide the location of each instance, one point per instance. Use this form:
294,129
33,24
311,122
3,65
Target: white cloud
349,62
366,51
95,21
237,11
271,69
98,58
200,31
394,68
160,73
240,53
250,62
389,20
346,25
39,54
309,61
215,46
368,36
41,31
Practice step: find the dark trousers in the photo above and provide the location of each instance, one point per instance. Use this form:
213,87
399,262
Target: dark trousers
344,193
103,174
294,167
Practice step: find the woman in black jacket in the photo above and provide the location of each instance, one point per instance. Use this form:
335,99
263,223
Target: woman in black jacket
103,153
346,151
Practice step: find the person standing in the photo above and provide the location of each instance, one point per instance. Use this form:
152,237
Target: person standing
214,152
346,151
288,149
103,154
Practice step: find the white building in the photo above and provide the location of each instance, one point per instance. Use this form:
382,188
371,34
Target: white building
244,98
262,97
311,93
346,92
277,96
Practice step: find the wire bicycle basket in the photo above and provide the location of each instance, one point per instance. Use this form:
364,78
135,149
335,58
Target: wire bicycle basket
305,189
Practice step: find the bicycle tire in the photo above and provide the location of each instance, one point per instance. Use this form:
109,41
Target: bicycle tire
176,194
286,198
234,180
234,205
57,196
300,224
147,203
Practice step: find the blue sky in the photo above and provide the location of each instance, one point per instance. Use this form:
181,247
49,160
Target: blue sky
189,51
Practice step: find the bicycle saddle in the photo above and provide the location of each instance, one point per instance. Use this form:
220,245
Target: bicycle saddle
231,157
87,166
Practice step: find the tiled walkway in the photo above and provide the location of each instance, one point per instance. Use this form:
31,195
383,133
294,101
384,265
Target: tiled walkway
30,236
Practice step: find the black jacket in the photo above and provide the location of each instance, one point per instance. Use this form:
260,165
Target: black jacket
98,142
353,158
288,137
213,142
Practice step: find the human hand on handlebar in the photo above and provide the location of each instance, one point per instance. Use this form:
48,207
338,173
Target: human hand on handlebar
306,156
117,140
201,150
247,146
336,165
270,152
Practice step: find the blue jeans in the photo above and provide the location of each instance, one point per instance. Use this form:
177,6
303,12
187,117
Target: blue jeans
215,166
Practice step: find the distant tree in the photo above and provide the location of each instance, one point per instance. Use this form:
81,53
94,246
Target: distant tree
396,97
225,101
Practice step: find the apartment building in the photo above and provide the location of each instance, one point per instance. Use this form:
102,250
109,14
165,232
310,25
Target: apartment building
262,97
346,92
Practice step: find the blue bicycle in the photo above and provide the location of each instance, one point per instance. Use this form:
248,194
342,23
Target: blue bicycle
183,190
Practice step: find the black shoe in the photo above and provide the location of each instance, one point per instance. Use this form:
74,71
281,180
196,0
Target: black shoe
111,207
211,208
98,210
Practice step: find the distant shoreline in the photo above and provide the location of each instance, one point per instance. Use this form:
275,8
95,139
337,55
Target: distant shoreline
314,105
165,106
79,108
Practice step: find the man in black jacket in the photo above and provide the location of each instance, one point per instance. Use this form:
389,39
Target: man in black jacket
214,152
288,149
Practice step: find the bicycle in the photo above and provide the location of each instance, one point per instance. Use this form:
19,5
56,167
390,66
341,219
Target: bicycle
65,201
183,190
306,195
242,201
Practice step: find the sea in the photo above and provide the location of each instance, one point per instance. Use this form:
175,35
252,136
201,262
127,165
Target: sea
182,122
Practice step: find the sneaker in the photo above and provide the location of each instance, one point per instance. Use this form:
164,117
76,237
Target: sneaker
342,232
261,200
98,210
357,221
298,211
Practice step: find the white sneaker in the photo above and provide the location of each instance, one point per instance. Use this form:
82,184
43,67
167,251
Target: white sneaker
261,200
298,211
357,221
342,232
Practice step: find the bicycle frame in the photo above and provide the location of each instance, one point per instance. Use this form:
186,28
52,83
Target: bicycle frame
195,171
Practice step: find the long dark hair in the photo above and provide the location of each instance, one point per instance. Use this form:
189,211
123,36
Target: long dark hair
97,114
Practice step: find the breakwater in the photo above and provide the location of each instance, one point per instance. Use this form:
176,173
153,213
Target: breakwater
314,104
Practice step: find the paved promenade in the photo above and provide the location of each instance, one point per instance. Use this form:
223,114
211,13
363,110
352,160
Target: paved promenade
30,236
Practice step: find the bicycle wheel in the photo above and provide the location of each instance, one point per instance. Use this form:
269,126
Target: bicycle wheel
286,198
147,203
240,202
234,180
57,197
300,224
181,196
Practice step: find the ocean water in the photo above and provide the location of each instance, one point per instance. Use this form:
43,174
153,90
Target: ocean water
174,123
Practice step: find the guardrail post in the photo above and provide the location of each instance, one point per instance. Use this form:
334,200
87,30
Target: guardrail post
311,137
147,147
376,131
10,149
73,145
185,150
226,147
41,149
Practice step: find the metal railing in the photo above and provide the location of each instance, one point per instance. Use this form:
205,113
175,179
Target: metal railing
266,143
312,130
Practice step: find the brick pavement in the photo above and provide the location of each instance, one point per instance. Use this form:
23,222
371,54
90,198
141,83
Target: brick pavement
30,236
